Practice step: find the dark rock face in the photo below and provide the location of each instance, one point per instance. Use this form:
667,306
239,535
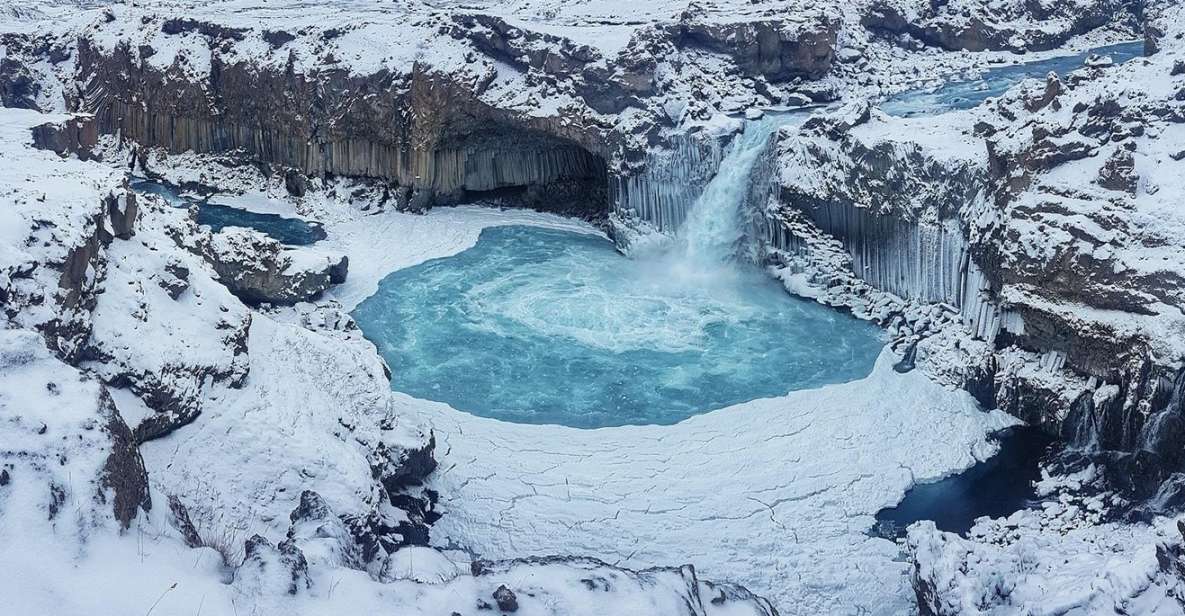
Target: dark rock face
123,472
182,522
881,201
366,543
1073,341
122,211
421,130
505,598
402,475
74,136
1119,172
1015,26
19,87
779,50
295,183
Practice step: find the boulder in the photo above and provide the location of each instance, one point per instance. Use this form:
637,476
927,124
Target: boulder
258,269
1119,172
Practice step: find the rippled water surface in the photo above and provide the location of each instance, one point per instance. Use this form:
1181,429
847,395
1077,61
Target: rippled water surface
543,326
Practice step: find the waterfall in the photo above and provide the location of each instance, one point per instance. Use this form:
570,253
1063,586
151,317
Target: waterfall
671,180
694,194
712,228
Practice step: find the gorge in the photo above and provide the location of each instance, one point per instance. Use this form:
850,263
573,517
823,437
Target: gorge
772,307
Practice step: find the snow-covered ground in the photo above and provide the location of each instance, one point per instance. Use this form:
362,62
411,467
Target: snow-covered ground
313,412
775,494
280,421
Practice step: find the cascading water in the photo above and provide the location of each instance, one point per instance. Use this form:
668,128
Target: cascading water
545,326
712,228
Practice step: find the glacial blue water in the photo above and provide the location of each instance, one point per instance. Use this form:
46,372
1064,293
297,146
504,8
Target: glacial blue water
955,95
543,326
290,231
996,487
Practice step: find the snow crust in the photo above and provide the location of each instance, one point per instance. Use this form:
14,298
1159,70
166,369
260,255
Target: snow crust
774,494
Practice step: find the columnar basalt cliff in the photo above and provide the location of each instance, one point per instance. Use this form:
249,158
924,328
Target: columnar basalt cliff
423,132
1027,251
1033,219
465,118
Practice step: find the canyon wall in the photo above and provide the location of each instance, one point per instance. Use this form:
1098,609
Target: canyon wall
1046,220
421,131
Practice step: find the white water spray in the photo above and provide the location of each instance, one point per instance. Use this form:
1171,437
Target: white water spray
712,229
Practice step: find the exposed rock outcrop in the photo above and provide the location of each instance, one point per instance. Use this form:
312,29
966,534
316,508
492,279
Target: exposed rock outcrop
257,269
1034,218
66,448
418,128
164,328
793,46
1013,25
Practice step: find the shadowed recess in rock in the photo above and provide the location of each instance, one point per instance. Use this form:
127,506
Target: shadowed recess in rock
290,231
996,487
543,326
994,82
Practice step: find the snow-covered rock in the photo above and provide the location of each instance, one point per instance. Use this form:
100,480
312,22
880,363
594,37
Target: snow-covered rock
257,269
1044,218
1013,25
164,327
1027,564
68,463
1045,221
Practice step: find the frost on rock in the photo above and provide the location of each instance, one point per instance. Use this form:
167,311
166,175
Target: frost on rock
1044,219
57,219
164,328
314,414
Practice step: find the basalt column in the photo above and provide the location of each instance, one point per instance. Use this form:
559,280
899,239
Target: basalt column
430,137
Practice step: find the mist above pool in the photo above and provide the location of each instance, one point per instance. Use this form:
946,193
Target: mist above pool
542,326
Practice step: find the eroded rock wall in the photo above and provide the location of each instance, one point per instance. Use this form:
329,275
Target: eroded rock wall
1046,220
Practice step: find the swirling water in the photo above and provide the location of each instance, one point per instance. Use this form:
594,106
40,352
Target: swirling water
290,231
543,326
